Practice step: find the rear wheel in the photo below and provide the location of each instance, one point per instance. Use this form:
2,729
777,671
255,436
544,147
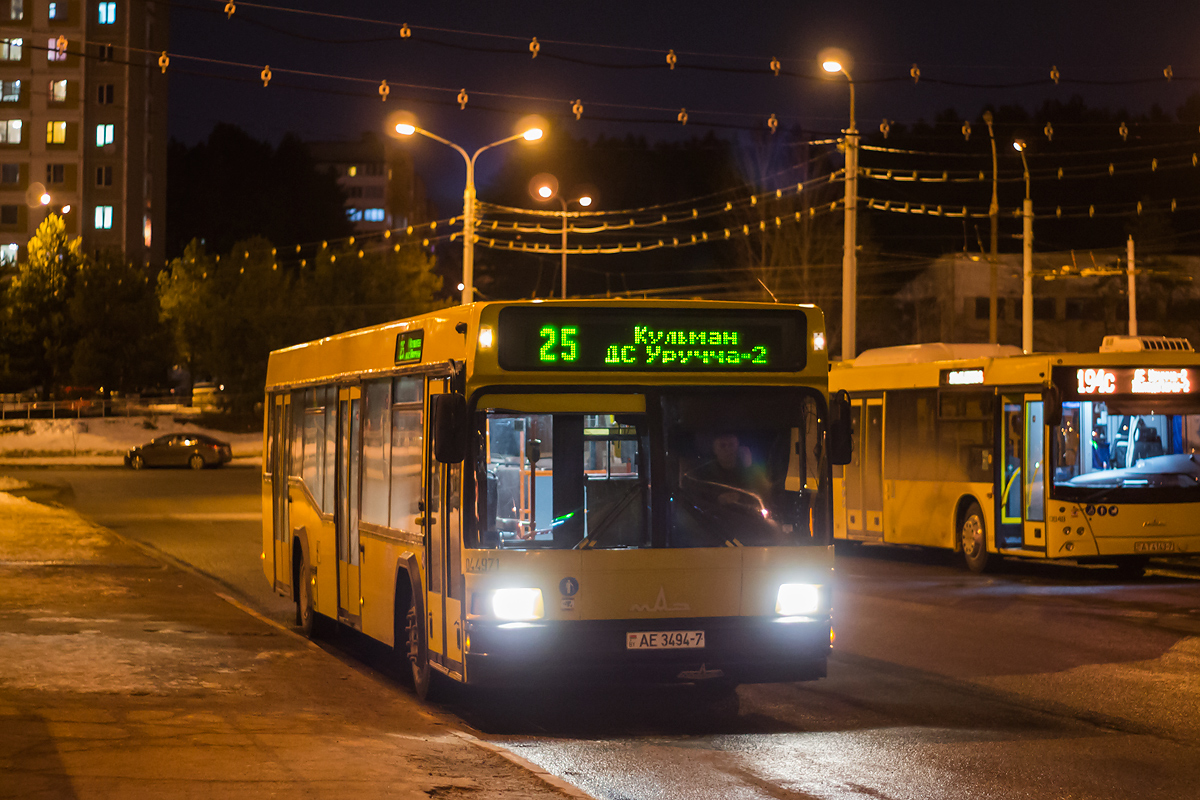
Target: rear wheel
972,539
196,461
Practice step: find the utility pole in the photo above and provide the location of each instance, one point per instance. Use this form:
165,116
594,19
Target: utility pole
1027,258
850,242
1132,287
994,218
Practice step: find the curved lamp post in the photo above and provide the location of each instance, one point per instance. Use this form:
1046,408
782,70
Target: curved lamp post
531,135
545,187
1027,257
835,65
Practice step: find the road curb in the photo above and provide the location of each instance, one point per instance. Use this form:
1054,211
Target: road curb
558,783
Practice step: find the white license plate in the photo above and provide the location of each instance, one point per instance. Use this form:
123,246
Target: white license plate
664,640
1153,547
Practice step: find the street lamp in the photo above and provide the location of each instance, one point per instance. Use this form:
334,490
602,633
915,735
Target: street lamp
530,134
545,187
833,63
994,217
1027,259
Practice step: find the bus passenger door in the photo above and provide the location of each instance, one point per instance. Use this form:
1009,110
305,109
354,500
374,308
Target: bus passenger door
349,461
1009,489
872,468
852,485
443,578
281,424
1034,469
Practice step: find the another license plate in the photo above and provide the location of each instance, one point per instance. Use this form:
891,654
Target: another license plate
1153,547
664,640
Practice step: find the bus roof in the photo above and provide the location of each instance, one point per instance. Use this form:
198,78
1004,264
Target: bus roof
454,334
928,365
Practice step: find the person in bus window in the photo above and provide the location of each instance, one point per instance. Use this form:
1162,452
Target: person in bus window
731,474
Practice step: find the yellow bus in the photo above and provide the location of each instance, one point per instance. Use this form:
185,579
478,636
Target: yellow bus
600,490
991,453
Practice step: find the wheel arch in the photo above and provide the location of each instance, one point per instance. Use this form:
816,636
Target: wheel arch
299,542
408,594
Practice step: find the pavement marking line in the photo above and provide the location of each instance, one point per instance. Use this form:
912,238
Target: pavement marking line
569,789
240,606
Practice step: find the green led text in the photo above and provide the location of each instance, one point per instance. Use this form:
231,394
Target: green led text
685,348
558,344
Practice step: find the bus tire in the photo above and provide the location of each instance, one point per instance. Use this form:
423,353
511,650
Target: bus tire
972,540
311,622
418,654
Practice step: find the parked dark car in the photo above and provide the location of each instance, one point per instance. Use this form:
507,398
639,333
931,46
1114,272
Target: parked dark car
178,450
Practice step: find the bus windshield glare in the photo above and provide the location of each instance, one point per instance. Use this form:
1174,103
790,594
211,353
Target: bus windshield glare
701,468
1130,450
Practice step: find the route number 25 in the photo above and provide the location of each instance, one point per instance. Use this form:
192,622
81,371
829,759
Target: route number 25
558,343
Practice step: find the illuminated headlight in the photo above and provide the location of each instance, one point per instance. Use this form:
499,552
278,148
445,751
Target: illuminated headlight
485,337
518,605
797,599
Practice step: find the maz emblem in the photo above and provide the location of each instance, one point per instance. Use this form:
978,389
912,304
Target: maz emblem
661,604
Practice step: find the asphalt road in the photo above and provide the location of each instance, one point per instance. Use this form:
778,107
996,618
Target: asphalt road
1042,681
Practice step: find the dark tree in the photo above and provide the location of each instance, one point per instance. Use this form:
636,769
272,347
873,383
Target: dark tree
232,187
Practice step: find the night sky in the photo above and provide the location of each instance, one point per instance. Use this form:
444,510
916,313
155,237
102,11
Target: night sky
977,43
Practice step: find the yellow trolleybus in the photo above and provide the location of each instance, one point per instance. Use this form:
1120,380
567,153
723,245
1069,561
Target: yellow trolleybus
977,448
503,492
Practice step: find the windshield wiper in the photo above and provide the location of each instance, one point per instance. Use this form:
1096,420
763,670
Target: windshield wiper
613,514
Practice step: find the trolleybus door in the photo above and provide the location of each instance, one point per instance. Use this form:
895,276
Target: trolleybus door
1034,470
852,485
349,461
281,438
1009,490
443,566
872,468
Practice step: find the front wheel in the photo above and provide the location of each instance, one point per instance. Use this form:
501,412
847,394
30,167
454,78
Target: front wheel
196,461
418,654
972,539
136,462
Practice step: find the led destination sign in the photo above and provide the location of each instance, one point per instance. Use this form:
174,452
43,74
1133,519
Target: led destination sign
1130,381
635,339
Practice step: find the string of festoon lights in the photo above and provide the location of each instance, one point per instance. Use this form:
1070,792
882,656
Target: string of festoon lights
666,58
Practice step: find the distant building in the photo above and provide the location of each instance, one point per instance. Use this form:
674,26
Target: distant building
382,190
1078,298
85,124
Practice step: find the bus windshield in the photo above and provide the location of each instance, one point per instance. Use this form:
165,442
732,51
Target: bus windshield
738,467
1127,452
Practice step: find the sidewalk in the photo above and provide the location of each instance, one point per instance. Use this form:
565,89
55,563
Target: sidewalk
124,677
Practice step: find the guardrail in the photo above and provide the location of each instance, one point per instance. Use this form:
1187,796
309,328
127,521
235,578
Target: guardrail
78,409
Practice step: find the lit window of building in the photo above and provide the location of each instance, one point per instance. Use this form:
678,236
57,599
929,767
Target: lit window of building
373,215
10,91
53,52
103,218
10,131
10,49
58,10
16,9
108,13
8,255
56,132
354,214
58,92
104,134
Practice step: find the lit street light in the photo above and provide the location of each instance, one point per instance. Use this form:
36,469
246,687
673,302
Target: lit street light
530,134
545,187
1027,258
835,62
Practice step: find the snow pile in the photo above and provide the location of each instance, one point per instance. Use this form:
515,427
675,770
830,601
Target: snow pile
105,436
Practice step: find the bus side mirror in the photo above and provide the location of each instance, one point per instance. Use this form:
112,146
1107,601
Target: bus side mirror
448,414
841,445
1052,397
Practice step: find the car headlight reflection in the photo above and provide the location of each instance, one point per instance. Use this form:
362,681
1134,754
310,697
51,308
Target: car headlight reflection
797,599
518,605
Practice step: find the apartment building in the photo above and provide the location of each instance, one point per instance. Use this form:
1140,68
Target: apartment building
83,123
382,190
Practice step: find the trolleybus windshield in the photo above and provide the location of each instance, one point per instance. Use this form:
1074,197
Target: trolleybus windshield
700,468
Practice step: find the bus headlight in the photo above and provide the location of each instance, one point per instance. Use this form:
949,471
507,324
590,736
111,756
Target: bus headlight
797,600
518,605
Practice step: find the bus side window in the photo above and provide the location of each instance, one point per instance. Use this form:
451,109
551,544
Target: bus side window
408,439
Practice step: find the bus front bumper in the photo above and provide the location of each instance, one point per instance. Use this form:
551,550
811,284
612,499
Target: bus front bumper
736,650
